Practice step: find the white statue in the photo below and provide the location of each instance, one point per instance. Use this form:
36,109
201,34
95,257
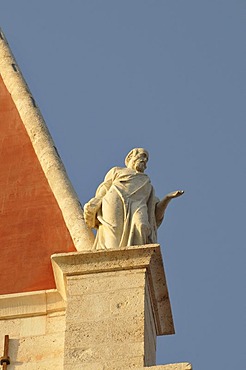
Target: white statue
125,210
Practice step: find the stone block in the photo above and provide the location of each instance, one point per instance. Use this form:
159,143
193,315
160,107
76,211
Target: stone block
85,308
36,348
114,298
22,304
177,366
105,282
126,329
33,326
150,332
91,366
10,327
55,323
70,266
132,363
51,364
30,304
127,302
54,302
81,334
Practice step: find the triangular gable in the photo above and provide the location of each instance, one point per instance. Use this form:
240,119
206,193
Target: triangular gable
40,213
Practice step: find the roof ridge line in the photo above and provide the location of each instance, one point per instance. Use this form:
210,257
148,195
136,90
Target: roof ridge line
44,148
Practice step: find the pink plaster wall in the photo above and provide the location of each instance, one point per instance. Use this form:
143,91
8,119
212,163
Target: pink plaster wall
31,224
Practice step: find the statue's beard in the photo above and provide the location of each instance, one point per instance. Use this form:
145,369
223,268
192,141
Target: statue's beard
140,166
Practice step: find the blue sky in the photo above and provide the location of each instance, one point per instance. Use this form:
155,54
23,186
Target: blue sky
169,76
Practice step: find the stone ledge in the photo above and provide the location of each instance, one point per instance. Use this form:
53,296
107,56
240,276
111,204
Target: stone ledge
134,257
30,304
177,366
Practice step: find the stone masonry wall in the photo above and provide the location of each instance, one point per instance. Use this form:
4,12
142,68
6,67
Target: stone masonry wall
35,325
35,342
105,321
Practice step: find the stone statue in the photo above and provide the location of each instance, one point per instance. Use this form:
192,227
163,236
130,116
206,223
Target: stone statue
125,210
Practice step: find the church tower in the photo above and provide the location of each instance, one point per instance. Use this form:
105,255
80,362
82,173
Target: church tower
62,304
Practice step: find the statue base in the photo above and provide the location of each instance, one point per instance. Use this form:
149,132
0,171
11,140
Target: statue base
117,303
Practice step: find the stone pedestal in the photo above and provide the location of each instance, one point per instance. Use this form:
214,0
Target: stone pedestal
117,303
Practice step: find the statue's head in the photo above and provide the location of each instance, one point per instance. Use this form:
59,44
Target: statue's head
137,159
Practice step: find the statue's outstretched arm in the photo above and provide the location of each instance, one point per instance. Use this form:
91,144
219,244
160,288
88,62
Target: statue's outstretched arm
162,205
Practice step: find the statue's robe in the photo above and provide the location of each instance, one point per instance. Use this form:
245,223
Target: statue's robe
127,213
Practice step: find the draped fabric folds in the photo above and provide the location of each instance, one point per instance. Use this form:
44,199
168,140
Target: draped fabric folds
127,213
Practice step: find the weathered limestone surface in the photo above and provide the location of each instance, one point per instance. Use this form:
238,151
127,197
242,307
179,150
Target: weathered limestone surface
120,365
35,323
106,324
117,302
30,304
178,366
129,258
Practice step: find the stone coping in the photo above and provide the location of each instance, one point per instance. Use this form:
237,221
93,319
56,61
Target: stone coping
135,257
28,304
44,148
177,366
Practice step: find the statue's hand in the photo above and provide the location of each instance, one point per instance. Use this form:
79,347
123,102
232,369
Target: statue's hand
162,205
90,211
175,194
